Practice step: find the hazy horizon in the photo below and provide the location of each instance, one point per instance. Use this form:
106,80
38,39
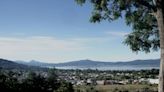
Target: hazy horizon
78,60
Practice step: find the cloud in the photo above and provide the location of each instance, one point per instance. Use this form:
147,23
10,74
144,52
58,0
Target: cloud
51,49
94,39
11,46
117,34
46,48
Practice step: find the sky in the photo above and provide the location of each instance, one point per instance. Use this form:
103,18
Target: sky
58,31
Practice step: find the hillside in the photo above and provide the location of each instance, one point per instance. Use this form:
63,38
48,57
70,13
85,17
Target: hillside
90,63
7,64
150,62
34,63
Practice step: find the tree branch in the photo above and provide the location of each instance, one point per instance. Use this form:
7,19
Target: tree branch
146,4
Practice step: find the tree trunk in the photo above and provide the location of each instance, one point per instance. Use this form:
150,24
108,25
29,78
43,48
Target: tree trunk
161,34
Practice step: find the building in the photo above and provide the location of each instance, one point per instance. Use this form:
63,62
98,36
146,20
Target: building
153,81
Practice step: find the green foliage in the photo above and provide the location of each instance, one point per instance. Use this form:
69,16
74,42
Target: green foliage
137,13
35,82
65,87
87,89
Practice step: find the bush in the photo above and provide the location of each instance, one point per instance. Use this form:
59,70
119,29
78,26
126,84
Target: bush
33,83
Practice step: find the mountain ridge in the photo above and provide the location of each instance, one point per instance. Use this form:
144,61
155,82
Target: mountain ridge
87,62
37,65
8,64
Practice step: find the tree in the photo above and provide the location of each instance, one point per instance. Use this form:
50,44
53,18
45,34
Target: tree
144,16
65,87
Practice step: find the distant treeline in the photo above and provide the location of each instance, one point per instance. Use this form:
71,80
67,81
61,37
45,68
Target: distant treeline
144,72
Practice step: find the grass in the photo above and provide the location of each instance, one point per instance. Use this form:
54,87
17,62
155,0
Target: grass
114,88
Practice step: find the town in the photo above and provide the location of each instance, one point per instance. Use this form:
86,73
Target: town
96,77
84,79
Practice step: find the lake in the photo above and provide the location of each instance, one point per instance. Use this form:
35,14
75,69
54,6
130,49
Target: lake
109,67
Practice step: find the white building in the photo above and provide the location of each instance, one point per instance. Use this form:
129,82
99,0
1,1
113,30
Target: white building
153,81
100,82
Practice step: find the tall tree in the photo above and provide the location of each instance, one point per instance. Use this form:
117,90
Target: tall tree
146,19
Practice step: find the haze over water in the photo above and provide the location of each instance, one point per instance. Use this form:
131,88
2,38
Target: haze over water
108,67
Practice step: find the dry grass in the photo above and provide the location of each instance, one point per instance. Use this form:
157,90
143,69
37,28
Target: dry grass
111,88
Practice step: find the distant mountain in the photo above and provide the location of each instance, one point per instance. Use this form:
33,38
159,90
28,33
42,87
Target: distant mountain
8,64
33,63
81,63
90,63
150,62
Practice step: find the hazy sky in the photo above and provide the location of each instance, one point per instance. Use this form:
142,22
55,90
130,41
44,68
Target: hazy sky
59,31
